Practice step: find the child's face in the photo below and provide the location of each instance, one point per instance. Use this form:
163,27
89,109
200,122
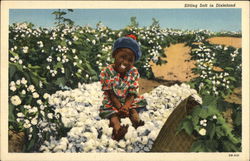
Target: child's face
124,59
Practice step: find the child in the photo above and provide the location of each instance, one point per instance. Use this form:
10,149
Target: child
120,85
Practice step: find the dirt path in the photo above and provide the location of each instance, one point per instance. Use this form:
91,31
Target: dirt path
178,66
228,41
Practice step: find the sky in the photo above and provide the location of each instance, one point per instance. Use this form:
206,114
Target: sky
215,20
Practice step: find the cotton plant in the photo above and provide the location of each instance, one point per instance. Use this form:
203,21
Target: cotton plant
30,113
25,102
212,80
210,129
79,111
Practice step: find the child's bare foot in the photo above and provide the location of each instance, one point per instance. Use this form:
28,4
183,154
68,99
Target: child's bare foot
134,117
118,135
137,124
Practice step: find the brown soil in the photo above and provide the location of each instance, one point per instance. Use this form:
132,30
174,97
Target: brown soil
149,85
16,141
235,97
228,41
178,66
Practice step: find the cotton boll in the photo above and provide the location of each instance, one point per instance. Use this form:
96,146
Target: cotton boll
152,135
126,121
105,129
128,135
136,149
166,114
144,140
67,123
129,148
134,138
120,150
87,135
149,126
122,143
146,149
110,149
140,130
64,141
161,111
109,132
144,116
88,122
70,145
88,146
99,124
160,122
44,148
104,140
60,148
171,105
95,115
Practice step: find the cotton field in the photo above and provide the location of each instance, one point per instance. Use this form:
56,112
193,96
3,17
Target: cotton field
89,133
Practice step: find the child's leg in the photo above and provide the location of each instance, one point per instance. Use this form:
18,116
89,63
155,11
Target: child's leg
133,115
118,130
135,119
115,122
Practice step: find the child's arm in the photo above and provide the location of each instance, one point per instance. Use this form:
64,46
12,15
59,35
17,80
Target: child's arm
129,100
114,99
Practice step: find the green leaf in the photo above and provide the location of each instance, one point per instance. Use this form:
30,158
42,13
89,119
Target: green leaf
211,145
222,105
229,68
231,78
13,53
27,76
233,139
204,112
238,118
60,81
31,143
187,125
211,130
34,78
35,67
91,71
209,100
229,146
219,131
208,81
78,75
198,146
12,70
11,112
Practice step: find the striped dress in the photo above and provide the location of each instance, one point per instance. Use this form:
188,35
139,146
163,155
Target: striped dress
111,80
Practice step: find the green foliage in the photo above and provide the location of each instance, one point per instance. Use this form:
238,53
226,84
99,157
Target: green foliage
133,22
60,19
219,68
209,127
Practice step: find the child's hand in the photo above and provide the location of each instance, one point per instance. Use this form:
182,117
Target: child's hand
124,111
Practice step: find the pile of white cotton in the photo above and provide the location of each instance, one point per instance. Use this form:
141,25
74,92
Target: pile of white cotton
89,133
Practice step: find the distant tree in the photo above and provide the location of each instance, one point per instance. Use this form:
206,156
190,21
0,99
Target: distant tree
60,19
155,23
133,22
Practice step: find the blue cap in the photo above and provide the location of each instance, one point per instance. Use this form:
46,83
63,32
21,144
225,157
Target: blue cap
128,42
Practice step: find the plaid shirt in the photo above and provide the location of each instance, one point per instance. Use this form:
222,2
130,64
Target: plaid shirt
111,80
